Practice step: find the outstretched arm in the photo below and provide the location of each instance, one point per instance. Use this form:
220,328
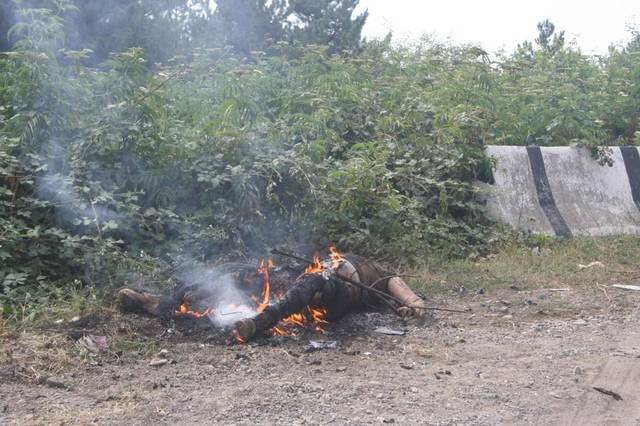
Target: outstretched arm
413,304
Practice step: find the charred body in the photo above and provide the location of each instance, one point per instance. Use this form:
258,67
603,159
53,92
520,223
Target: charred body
277,299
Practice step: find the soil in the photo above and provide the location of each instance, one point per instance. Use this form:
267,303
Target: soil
519,357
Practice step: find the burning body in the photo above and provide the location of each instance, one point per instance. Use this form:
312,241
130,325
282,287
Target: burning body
275,299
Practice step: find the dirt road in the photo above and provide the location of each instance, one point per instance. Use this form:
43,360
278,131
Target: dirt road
520,357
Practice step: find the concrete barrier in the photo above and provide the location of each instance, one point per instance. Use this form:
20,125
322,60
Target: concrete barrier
562,191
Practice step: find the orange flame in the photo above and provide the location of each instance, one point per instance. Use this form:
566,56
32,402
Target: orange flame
266,285
315,267
237,337
184,309
335,256
309,317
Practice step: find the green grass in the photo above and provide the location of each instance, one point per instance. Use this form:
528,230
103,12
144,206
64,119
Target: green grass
63,304
545,263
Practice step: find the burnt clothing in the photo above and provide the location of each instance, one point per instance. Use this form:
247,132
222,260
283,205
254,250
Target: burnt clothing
328,292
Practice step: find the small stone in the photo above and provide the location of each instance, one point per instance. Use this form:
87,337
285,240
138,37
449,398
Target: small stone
52,382
580,322
424,353
508,316
406,366
75,319
413,389
158,362
341,369
559,394
578,371
163,353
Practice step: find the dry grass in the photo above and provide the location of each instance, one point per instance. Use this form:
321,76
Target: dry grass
34,355
550,264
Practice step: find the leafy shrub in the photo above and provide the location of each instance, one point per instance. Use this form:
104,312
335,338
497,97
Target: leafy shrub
118,172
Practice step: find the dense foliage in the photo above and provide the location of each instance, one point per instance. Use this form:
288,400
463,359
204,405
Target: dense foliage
120,170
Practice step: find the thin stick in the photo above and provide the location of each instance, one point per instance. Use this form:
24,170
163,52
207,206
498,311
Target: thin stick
95,214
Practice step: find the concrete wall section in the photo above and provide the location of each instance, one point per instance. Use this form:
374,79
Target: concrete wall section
563,191
513,198
593,199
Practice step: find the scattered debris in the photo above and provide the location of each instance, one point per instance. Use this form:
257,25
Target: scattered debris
627,287
163,353
52,382
158,362
317,345
93,343
558,395
580,322
389,331
590,265
612,394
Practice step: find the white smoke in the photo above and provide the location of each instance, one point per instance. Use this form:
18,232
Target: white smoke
230,304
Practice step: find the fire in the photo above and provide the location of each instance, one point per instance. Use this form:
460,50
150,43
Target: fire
237,337
266,286
315,267
318,316
184,309
310,317
336,257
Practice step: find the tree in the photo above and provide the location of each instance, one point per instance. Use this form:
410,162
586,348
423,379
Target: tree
548,39
157,26
6,22
248,25
328,22
255,24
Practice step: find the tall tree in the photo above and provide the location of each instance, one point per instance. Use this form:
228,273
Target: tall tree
255,24
115,25
6,22
548,39
249,24
328,22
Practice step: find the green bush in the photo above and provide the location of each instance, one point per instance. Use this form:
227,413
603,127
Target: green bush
121,171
